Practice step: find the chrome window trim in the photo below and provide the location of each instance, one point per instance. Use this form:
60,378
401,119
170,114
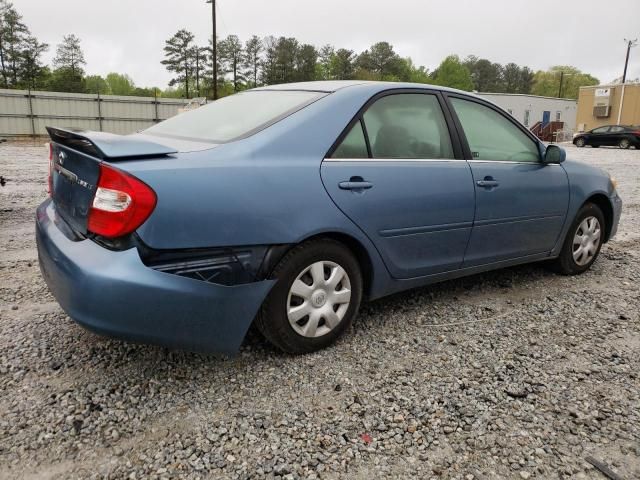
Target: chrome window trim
511,161
393,160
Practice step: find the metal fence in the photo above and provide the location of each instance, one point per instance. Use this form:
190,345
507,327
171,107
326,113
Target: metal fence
24,112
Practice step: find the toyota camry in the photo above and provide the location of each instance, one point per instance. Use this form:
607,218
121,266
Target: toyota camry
289,205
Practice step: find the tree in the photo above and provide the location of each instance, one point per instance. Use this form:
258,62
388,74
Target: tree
547,84
64,79
251,61
341,65
382,61
200,59
178,52
452,73
416,74
286,56
96,84
511,77
306,60
269,72
13,34
486,76
231,57
325,57
69,55
33,73
525,83
120,84
208,71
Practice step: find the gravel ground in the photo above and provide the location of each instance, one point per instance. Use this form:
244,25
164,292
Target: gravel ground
514,374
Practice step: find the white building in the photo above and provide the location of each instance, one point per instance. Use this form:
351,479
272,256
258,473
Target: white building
530,109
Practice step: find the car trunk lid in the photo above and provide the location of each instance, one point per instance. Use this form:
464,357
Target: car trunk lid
75,161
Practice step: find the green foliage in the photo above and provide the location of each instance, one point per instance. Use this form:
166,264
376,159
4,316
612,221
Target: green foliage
20,52
547,83
179,59
381,61
341,65
96,84
69,55
231,56
65,79
251,61
453,73
120,84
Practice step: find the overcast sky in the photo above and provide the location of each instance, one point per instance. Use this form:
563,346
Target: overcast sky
127,36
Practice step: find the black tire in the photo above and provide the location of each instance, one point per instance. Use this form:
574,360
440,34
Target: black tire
272,320
579,142
624,143
565,263
595,146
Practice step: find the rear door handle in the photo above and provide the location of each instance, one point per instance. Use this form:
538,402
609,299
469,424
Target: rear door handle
355,185
488,182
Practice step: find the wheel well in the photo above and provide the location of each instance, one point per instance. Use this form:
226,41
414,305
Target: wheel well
607,210
360,253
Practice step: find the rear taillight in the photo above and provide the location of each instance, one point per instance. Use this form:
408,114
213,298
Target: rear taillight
50,178
121,204
636,133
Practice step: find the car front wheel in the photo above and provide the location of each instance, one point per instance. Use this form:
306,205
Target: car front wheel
583,242
316,297
580,142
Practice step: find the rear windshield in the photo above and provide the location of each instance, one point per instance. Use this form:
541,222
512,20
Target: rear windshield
235,116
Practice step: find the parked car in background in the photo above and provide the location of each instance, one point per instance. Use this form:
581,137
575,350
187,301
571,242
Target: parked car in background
291,204
623,136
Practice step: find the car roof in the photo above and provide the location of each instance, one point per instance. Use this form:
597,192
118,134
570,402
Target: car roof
330,86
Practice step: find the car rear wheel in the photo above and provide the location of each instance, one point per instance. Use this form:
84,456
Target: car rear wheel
624,143
315,299
580,142
583,242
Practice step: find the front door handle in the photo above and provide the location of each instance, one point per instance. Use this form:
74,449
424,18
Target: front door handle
355,183
488,182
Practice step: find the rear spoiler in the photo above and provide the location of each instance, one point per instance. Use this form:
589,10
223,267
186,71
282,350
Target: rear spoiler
107,145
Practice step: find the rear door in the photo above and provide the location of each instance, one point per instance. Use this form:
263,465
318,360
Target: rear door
599,136
617,133
521,203
399,174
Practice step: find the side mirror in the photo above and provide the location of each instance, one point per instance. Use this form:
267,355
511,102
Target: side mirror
555,154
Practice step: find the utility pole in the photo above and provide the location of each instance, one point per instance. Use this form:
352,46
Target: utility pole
561,79
630,44
214,47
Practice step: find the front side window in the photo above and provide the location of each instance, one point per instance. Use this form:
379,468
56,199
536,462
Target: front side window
600,130
408,126
492,136
235,116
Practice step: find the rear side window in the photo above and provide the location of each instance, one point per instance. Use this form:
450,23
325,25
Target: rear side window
408,126
354,144
491,136
235,116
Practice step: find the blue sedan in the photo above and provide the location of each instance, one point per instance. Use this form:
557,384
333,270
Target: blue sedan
289,205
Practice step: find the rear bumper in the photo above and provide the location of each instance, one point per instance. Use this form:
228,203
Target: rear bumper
115,294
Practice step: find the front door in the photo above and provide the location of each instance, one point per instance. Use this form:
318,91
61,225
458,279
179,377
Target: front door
521,203
396,176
